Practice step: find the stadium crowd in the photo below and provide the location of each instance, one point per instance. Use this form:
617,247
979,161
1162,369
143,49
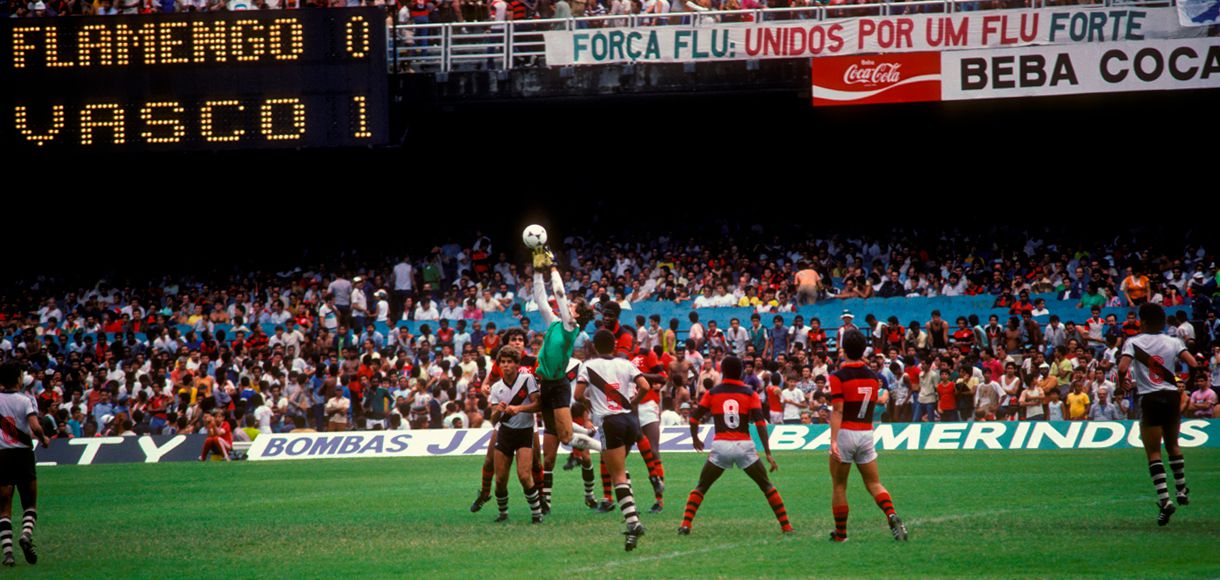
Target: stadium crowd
184,354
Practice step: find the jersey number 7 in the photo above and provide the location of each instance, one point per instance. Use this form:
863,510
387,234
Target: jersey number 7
868,395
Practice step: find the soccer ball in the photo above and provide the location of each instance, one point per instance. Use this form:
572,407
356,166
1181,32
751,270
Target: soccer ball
534,236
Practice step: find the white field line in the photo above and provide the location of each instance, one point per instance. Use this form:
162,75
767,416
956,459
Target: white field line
666,556
913,522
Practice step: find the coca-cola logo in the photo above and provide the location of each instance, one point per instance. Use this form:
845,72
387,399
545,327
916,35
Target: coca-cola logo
871,73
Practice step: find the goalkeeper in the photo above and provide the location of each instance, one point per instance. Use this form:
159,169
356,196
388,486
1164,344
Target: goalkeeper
556,367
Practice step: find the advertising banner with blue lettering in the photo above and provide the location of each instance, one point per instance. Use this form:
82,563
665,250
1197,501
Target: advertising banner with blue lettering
896,436
1040,71
881,34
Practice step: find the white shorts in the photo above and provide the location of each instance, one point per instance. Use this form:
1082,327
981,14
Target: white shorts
856,446
777,418
650,413
370,423
726,454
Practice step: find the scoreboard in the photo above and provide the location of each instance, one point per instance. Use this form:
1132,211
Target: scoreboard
231,80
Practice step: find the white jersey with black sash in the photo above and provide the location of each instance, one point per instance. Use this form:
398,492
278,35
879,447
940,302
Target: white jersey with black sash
15,411
611,386
518,394
1155,356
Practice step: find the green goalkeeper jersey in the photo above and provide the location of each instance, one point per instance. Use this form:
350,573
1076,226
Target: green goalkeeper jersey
556,350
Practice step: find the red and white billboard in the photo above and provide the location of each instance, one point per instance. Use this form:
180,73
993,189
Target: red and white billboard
1036,71
878,78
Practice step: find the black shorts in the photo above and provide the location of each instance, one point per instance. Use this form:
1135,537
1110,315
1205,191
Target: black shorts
621,430
509,440
1161,409
17,466
555,394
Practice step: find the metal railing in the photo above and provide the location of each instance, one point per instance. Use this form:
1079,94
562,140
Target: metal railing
505,45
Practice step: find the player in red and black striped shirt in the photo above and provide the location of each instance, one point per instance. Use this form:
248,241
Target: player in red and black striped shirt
731,404
853,391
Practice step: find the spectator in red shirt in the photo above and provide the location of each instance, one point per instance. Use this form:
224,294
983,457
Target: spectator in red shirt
945,391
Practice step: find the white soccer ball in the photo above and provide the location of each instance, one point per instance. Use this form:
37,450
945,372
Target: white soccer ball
534,236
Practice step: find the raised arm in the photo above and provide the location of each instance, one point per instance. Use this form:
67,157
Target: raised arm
548,316
561,299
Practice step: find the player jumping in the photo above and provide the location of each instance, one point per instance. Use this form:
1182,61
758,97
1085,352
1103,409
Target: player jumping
557,368
514,400
853,389
18,427
733,406
1159,401
617,386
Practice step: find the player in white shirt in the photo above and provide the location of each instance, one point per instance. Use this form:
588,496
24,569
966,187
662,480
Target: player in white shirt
514,400
1150,357
19,427
616,387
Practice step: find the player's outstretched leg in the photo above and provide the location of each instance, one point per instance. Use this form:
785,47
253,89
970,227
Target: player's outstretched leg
707,477
872,482
582,438
758,473
656,472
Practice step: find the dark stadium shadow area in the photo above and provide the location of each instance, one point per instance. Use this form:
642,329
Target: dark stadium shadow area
751,152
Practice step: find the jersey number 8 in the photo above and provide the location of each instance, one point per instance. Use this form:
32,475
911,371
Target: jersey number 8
732,414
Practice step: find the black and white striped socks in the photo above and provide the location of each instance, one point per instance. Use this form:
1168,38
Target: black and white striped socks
535,501
502,500
27,524
6,537
548,478
587,474
1157,470
1178,465
626,503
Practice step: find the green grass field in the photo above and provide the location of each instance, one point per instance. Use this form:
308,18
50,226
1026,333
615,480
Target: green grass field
977,513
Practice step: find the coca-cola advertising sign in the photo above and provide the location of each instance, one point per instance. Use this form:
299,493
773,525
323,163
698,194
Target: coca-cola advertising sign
891,78
886,73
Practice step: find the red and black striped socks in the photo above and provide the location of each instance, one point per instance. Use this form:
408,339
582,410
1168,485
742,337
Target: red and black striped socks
655,468
884,502
692,507
840,512
485,491
777,506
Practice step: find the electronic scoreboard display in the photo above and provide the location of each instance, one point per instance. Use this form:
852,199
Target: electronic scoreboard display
232,80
